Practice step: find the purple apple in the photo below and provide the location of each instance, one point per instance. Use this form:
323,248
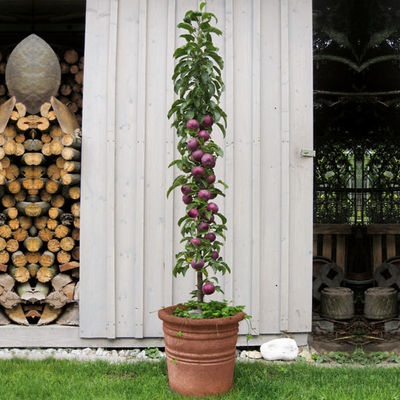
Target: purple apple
187,199
210,179
203,226
204,135
212,207
207,121
209,220
204,194
195,242
193,144
186,190
210,236
214,255
207,160
193,213
198,265
197,155
192,124
198,172
208,288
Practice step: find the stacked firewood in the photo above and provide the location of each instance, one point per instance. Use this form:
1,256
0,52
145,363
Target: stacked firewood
39,219
71,88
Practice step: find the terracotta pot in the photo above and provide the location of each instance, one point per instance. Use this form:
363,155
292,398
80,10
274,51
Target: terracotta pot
200,352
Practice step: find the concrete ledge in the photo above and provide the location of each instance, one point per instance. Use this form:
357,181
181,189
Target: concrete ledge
68,336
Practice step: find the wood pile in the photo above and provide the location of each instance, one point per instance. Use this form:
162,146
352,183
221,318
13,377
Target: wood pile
71,88
39,217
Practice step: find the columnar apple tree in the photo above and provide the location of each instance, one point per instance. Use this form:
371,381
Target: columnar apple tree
198,84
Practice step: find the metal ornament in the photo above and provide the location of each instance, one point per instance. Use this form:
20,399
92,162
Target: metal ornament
33,73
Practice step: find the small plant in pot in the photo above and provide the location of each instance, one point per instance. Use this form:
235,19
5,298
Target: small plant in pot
200,337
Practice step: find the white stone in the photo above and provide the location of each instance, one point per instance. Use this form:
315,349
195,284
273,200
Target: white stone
114,353
254,354
5,355
87,351
280,349
142,354
306,355
243,354
134,352
99,351
36,355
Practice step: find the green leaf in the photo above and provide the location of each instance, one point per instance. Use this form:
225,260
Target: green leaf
182,219
173,163
222,217
219,151
188,37
179,52
188,27
223,184
220,126
202,5
217,59
215,30
179,180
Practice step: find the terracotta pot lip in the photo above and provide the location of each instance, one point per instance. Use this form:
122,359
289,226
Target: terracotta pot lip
165,314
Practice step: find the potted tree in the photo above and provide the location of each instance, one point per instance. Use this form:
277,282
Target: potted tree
200,337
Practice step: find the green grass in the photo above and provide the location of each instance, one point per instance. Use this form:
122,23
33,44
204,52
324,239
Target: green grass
53,380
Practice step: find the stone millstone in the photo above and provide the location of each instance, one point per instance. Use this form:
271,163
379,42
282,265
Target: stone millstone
337,303
325,275
33,73
380,303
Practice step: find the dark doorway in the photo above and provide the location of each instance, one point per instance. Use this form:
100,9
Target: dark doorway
357,142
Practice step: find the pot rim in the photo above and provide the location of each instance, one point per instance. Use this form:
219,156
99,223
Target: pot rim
165,314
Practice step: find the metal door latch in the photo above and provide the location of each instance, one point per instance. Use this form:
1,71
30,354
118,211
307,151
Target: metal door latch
307,153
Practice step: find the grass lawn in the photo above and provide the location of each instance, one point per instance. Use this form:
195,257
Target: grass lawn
59,379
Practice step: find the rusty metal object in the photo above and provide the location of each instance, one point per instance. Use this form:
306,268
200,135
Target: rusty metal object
65,117
33,73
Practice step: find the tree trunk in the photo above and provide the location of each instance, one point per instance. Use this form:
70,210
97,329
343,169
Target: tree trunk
46,274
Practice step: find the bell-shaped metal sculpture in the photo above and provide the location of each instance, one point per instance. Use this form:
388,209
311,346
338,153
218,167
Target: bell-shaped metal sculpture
33,73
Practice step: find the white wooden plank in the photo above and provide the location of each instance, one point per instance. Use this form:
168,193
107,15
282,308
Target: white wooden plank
228,202
270,168
301,171
140,171
242,170
155,166
68,336
110,170
128,267
169,257
94,201
285,161
256,166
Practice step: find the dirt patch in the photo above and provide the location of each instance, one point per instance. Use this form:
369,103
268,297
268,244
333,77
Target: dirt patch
129,376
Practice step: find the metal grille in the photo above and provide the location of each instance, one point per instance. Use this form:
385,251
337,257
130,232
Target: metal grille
357,186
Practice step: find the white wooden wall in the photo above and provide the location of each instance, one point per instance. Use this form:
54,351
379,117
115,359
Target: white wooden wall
129,234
